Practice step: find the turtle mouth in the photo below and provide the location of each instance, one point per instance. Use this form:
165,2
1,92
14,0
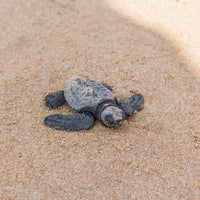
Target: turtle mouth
113,123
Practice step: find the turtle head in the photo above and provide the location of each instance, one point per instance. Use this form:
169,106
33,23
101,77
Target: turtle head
112,116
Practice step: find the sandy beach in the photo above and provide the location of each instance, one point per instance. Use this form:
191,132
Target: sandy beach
147,47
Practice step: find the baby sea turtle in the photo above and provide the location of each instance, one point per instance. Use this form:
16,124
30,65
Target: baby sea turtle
91,100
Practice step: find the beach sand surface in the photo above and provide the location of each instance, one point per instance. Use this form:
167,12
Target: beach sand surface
147,47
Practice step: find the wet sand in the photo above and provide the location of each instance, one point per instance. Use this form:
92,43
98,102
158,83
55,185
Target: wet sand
155,154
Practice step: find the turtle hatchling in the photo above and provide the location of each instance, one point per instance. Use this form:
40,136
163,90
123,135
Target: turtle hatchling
91,99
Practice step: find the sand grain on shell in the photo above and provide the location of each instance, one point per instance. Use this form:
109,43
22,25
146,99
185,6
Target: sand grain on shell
155,154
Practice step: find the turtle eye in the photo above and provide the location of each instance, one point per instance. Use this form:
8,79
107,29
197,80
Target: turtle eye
109,119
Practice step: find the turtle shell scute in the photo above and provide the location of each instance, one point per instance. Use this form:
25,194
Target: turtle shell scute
83,93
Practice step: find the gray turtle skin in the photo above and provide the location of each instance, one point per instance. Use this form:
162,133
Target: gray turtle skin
91,100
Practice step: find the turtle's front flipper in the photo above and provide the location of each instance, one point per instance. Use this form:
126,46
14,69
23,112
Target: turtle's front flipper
82,121
132,104
55,99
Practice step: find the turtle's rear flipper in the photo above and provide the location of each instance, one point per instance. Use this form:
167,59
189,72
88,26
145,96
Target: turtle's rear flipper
55,99
132,104
76,122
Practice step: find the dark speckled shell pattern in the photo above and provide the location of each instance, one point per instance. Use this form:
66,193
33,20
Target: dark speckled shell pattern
83,93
